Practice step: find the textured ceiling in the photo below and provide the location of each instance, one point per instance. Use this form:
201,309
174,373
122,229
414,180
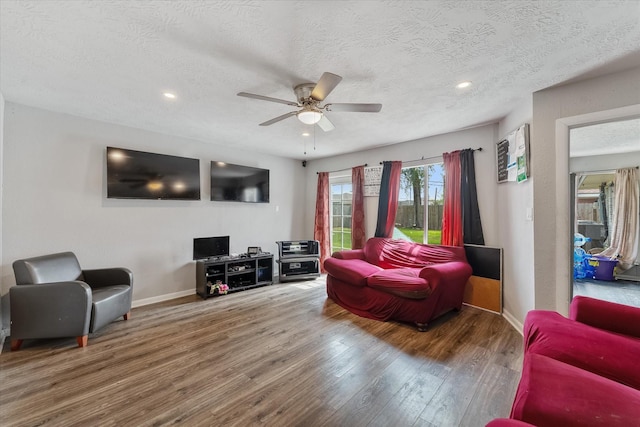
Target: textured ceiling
111,61
605,138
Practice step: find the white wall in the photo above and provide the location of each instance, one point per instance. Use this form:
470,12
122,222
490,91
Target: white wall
604,162
54,200
516,231
481,137
554,110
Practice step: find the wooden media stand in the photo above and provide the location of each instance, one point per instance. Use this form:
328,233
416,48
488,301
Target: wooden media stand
239,273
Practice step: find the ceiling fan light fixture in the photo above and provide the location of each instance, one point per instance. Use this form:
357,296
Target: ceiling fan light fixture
309,117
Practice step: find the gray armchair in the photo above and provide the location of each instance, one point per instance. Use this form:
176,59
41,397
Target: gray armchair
55,298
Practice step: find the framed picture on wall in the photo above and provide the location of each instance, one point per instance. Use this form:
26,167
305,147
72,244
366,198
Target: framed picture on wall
372,178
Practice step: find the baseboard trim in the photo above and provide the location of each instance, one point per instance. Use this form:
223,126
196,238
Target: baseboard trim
482,308
162,298
513,321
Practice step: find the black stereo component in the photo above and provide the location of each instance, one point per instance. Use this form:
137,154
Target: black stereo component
300,248
298,268
299,259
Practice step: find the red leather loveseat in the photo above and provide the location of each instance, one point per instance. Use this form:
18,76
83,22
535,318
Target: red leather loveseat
398,280
580,371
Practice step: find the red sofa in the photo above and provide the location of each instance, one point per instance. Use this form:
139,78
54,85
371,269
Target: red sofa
398,280
580,371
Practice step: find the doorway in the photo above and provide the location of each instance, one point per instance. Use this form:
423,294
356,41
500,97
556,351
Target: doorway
612,145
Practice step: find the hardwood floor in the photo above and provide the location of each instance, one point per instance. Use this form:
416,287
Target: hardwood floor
282,355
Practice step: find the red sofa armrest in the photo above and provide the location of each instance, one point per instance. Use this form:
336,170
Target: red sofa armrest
454,271
349,254
610,316
353,272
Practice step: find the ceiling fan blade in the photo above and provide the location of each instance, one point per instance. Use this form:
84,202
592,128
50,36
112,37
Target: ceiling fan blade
268,98
355,108
325,124
279,118
325,85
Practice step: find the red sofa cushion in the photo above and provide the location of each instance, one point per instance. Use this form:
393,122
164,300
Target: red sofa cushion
390,253
604,353
404,282
351,271
553,393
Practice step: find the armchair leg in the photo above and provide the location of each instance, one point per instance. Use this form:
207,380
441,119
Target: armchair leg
422,327
127,316
82,340
15,345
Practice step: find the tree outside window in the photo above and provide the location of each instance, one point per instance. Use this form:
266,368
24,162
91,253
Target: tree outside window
417,184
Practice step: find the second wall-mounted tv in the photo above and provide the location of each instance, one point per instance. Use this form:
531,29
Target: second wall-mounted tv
236,183
139,175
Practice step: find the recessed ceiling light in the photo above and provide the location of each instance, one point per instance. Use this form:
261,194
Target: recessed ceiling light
463,85
305,133
169,95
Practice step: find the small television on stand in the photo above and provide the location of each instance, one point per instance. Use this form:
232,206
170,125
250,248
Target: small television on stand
210,247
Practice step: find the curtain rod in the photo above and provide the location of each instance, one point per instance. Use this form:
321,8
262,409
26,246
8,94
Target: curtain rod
599,172
435,157
341,170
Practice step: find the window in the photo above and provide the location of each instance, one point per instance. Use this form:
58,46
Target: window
418,183
341,192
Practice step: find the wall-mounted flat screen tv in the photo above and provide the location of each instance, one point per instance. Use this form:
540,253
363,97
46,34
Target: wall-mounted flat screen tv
139,175
236,183
210,247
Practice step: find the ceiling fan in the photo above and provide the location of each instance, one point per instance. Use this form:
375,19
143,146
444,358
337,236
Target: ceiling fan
310,96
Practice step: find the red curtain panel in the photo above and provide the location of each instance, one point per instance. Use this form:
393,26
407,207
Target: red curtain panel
452,215
322,227
358,236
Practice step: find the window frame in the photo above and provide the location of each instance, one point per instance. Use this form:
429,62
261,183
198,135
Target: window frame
424,164
341,179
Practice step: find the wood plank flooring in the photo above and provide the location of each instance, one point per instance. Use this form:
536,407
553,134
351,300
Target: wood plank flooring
282,355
